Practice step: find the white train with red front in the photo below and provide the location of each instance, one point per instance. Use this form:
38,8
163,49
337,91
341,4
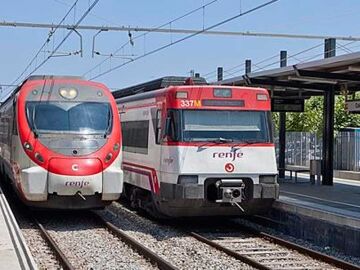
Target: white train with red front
197,149
60,143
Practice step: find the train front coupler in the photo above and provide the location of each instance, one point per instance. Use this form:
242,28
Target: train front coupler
230,191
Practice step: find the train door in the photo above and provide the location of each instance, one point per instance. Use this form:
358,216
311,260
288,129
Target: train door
13,130
156,150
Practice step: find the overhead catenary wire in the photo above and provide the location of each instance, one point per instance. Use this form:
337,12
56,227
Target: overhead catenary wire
233,73
322,53
268,59
172,30
64,39
236,68
187,37
294,56
150,31
51,33
90,14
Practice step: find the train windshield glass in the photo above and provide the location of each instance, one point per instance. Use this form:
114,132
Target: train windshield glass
69,117
226,126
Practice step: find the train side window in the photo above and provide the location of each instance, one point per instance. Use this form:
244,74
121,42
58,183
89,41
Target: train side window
135,136
172,127
158,127
15,131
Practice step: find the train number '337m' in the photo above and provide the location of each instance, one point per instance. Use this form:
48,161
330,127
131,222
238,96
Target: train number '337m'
190,103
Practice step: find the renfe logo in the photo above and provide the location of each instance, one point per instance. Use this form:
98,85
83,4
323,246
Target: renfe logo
77,184
229,167
231,155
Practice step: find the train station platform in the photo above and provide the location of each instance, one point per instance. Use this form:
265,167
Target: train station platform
341,201
326,215
14,253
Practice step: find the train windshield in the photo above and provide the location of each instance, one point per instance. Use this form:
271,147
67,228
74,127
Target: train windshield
69,117
226,126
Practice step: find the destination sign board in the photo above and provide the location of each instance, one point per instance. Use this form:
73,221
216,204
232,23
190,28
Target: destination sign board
287,105
352,106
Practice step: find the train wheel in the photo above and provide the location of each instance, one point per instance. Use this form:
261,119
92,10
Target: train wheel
149,205
134,198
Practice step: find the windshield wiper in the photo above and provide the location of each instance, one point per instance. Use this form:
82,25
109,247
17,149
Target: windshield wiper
247,142
108,124
222,140
34,129
219,140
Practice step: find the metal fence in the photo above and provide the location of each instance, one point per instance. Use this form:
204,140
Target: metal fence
301,147
347,151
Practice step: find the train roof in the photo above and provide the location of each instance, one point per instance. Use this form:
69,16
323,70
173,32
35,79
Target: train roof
48,77
156,85
38,77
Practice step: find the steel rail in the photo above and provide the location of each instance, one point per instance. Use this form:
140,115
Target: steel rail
141,249
51,242
230,252
303,250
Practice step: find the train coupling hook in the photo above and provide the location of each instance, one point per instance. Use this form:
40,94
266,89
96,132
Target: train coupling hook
81,196
238,206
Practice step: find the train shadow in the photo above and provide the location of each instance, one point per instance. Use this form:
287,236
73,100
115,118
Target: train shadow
141,223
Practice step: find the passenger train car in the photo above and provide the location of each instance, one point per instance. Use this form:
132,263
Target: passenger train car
60,143
192,149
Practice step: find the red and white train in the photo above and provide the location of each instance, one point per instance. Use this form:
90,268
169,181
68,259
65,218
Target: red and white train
60,143
197,149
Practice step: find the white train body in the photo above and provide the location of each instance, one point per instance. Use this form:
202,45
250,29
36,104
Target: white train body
184,157
56,152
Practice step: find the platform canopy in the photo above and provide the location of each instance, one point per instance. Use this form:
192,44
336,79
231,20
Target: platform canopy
339,73
328,77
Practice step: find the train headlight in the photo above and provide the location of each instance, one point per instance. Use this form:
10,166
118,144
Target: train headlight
39,157
116,146
187,179
28,146
108,157
267,179
261,97
68,93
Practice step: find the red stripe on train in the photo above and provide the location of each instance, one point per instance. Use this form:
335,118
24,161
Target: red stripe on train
211,144
147,171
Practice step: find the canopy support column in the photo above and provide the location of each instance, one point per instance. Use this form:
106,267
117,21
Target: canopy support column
328,137
282,126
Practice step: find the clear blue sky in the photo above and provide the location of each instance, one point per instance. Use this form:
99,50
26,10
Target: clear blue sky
202,53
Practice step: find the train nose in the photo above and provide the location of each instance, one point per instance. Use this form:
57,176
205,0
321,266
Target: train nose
75,176
75,167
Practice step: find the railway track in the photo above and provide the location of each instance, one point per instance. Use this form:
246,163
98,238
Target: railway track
52,237
259,249
264,251
21,249
136,245
254,248
64,260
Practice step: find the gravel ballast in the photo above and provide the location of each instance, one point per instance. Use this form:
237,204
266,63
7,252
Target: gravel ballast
180,249
88,245
325,249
